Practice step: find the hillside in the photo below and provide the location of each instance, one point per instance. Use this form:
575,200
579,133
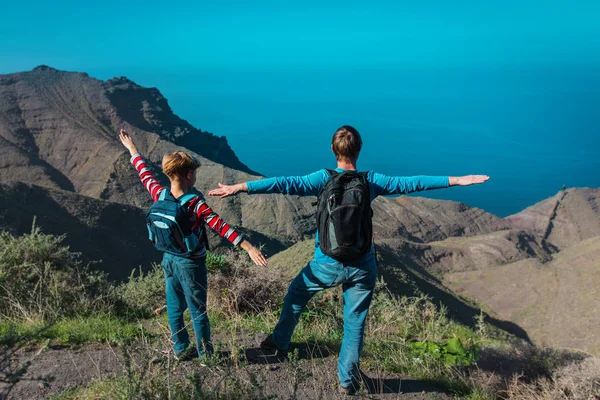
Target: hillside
564,219
449,255
110,233
556,303
419,219
100,230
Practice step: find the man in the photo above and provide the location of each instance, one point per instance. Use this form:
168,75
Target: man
358,276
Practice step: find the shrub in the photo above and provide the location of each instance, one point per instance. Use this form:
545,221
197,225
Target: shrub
41,278
237,287
143,293
577,381
233,287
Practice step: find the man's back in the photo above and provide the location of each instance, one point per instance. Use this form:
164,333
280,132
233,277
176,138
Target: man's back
344,216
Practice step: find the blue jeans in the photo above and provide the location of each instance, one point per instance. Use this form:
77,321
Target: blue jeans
186,286
357,283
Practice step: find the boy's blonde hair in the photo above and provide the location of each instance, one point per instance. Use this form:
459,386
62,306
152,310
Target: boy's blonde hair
178,164
346,143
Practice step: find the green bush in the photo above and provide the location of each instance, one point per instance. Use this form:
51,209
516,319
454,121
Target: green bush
41,278
142,293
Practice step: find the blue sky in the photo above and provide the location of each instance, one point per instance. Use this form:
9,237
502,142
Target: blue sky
111,35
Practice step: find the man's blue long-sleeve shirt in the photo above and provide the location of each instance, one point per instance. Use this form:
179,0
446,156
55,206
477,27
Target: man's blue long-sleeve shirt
380,185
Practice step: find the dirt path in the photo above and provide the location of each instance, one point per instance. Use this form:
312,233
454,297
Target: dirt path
54,370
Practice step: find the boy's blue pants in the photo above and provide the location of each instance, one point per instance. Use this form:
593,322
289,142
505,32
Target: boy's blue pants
357,283
186,287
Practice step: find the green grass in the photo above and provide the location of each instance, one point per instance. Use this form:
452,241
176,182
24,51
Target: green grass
216,262
108,388
70,331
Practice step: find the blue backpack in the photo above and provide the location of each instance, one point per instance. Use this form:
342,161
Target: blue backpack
169,226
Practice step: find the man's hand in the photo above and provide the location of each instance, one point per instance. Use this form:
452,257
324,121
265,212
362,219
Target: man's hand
468,180
228,190
257,257
127,142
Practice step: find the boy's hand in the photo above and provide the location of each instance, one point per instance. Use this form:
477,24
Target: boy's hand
127,142
257,257
468,180
228,190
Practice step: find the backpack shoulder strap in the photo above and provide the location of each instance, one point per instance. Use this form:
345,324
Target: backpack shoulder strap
331,172
364,174
186,198
163,195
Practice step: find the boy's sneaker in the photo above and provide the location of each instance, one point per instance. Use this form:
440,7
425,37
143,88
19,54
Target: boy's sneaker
348,390
269,344
188,354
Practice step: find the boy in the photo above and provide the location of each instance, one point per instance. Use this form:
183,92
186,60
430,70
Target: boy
186,279
357,276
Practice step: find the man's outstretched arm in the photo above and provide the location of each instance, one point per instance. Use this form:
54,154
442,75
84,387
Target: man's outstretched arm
386,185
307,185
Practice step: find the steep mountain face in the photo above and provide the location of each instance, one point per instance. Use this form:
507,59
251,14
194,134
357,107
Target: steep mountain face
67,122
59,129
147,109
568,217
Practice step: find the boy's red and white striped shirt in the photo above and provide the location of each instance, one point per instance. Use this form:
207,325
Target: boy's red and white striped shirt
197,208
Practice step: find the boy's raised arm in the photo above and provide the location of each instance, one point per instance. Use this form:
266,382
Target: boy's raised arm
306,185
148,179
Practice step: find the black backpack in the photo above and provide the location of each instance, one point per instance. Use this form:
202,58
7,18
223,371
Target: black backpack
344,216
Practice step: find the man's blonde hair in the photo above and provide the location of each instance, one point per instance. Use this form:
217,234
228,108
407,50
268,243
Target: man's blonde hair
178,164
346,143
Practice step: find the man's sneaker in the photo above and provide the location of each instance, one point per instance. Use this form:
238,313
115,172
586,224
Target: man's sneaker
188,354
348,390
269,344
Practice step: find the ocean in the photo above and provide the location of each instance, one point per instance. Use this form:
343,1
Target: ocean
531,130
